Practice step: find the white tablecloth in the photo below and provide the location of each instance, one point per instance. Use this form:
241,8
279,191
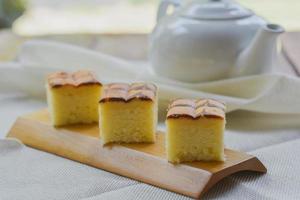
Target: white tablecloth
272,134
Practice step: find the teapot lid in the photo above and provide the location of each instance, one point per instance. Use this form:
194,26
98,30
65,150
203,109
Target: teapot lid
215,10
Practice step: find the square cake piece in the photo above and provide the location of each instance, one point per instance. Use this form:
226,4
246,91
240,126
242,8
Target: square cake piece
195,130
128,113
73,97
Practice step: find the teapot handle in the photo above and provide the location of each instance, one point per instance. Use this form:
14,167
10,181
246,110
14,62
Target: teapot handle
163,7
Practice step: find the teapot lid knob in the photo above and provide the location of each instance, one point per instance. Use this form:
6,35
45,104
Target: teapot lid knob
215,10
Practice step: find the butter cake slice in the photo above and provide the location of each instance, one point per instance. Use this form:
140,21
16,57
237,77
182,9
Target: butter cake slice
195,130
128,113
73,97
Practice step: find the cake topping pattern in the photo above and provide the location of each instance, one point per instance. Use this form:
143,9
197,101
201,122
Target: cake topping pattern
126,92
78,78
196,108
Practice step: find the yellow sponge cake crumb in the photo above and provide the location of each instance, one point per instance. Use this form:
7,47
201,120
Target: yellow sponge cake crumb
73,97
195,130
128,113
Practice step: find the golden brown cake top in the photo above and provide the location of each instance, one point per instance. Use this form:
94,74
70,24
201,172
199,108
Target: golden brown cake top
190,108
76,79
126,92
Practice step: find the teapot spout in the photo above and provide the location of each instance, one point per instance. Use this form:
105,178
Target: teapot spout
261,54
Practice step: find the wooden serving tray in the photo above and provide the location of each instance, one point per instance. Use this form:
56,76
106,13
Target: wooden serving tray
142,162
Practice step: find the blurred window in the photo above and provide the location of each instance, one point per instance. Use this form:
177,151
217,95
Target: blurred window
116,16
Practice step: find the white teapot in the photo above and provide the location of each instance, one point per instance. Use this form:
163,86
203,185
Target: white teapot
211,40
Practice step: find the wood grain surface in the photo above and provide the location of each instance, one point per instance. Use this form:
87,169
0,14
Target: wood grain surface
144,162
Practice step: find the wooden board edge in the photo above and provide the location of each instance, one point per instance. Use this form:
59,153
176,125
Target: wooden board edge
251,164
180,179
202,180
